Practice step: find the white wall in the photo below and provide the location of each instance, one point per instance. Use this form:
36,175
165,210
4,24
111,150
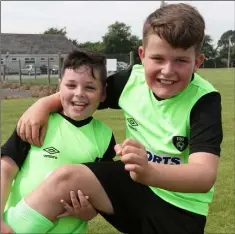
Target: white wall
12,60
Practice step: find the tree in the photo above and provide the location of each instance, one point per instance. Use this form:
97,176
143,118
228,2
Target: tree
224,39
61,31
75,42
118,38
92,46
136,42
207,47
209,51
52,30
223,45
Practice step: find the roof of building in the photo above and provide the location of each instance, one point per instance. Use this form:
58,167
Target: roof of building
35,44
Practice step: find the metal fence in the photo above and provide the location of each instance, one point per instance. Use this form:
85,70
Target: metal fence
21,70
38,71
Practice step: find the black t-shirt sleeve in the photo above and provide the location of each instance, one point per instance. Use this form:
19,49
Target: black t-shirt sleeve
115,86
110,152
16,149
206,132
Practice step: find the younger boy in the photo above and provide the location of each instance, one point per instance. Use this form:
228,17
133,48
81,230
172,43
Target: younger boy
73,136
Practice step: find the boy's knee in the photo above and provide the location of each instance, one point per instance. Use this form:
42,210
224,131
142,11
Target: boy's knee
69,173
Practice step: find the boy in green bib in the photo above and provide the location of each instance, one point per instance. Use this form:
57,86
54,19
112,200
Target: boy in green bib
164,181
73,136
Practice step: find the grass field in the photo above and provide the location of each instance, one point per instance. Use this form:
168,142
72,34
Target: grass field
222,213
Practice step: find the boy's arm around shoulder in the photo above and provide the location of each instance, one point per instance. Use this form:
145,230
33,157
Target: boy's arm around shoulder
115,85
32,125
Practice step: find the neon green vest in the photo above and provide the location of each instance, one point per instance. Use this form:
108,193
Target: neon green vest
163,128
64,144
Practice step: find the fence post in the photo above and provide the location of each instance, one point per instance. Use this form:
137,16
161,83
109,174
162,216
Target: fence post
59,69
48,70
4,72
132,58
20,80
1,80
35,75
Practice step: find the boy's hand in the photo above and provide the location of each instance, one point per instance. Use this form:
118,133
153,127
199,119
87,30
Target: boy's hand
134,156
81,207
5,229
32,125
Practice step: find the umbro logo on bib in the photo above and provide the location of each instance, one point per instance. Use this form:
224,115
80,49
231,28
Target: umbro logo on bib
51,151
132,123
180,142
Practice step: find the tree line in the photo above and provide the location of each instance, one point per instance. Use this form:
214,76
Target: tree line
119,40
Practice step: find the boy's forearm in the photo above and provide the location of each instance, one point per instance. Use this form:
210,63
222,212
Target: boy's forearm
191,178
51,103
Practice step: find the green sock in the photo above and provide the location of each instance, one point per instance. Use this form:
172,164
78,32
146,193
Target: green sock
24,219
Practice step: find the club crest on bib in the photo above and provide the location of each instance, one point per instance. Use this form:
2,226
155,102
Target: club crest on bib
180,142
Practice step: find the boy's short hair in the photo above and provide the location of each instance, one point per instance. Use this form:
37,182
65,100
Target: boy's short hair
181,25
96,61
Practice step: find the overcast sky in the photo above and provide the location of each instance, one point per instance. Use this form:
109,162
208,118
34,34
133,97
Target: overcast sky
88,21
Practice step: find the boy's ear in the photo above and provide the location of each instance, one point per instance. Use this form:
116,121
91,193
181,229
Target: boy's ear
199,60
141,54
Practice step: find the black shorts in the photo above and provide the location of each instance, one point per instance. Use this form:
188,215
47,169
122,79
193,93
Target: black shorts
137,210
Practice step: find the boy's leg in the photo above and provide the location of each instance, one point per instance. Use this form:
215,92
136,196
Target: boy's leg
46,198
127,205
35,213
22,219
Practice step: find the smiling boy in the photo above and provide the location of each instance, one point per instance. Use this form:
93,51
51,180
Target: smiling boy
165,179
73,136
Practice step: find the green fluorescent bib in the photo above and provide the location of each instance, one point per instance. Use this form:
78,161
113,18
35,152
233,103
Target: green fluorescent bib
163,128
64,144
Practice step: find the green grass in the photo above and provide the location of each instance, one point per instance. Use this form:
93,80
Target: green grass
222,213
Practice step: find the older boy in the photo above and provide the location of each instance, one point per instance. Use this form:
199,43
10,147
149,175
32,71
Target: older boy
164,180
73,136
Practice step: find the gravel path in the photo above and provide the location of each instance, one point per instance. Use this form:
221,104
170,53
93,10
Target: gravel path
11,92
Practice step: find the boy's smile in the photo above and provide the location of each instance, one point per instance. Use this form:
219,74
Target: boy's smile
168,70
79,106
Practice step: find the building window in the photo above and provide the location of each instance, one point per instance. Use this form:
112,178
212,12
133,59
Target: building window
51,59
29,60
42,59
13,59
